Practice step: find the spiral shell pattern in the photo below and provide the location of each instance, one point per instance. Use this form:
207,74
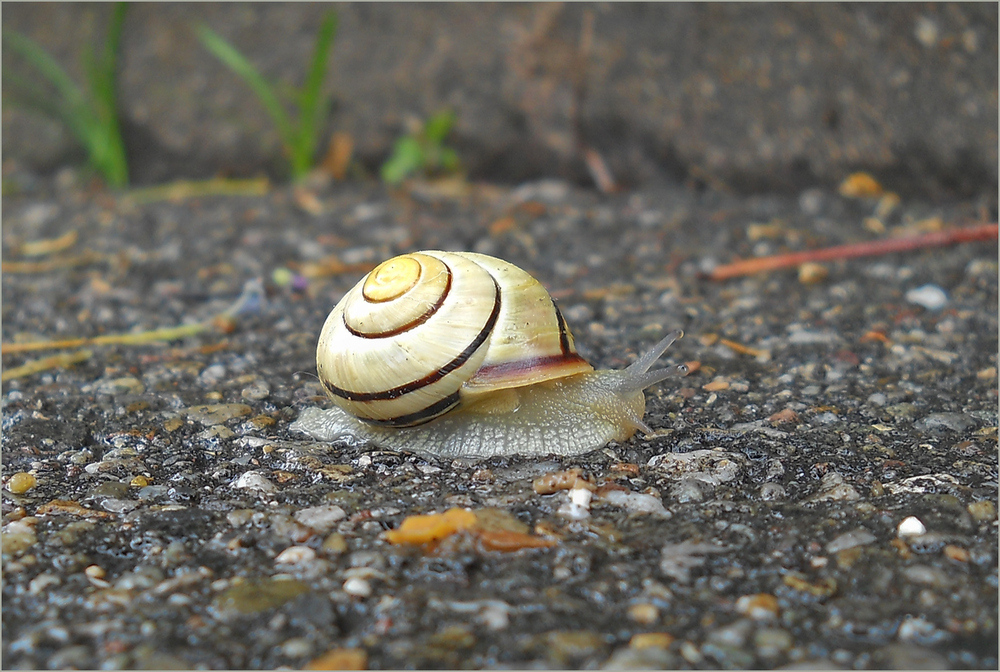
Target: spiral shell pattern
426,331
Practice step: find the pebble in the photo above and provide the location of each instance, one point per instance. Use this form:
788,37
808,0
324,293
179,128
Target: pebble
215,414
859,537
251,480
759,607
644,613
569,646
907,656
256,391
953,422
833,488
17,537
645,658
251,597
771,492
983,511
772,642
294,555
357,587
910,526
21,482
320,518
119,386
635,502
930,297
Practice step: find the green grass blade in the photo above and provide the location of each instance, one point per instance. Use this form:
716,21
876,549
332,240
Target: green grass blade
46,65
407,158
312,102
228,54
437,127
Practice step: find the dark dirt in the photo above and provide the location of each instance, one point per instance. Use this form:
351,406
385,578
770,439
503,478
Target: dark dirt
214,537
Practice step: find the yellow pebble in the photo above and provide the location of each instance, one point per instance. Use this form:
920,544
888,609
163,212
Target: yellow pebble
21,482
139,481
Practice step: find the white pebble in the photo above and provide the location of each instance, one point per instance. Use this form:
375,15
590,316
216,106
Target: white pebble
578,506
357,587
911,527
251,480
294,555
930,297
320,518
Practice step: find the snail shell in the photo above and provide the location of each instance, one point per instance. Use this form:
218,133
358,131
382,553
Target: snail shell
458,354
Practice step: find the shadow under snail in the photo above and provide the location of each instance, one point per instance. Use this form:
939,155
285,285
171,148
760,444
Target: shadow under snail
458,354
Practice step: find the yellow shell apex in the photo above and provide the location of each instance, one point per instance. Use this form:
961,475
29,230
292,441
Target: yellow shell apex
391,279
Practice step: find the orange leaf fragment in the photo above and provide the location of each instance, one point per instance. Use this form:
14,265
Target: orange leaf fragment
70,507
431,527
507,541
860,185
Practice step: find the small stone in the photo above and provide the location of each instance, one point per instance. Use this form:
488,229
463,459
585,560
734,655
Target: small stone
647,640
118,386
251,480
95,572
215,414
294,555
21,482
139,481
811,273
759,607
910,527
956,553
256,391
952,422
251,597
772,642
17,537
644,613
930,297
983,512
771,492
320,518
335,544
357,587
859,537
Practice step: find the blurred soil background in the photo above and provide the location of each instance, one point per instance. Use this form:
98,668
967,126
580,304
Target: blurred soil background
820,492
743,97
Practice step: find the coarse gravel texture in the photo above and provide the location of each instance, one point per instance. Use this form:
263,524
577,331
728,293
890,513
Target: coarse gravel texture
174,521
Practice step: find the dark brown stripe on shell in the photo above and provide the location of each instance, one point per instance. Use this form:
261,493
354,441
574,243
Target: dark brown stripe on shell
409,325
507,368
434,376
418,417
563,330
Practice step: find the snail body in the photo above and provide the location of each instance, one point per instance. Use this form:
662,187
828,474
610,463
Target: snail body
458,354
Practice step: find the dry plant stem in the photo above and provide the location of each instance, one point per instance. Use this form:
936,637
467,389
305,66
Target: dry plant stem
140,338
185,189
60,361
867,249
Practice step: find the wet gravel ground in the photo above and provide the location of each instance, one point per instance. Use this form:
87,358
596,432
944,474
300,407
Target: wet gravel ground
820,492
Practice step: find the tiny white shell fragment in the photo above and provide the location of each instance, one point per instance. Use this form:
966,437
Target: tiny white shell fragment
294,555
930,297
578,506
911,527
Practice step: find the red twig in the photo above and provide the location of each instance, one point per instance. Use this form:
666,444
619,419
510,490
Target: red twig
867,249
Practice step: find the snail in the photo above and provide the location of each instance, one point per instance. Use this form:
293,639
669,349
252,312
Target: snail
459,354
